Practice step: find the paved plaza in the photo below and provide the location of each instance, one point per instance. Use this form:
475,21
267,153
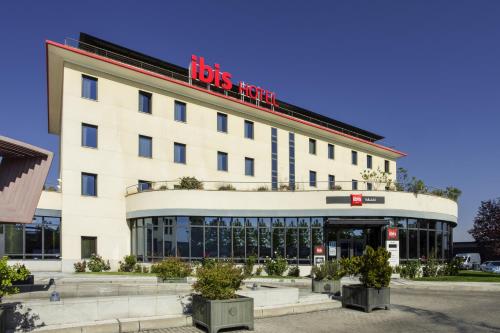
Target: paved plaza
412,311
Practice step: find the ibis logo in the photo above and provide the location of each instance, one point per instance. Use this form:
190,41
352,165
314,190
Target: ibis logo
392,234
356,200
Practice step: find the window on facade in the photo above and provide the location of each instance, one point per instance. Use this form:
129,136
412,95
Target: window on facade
180,111
145,185
145,146
89,184
369,161
331,151
386,166
291,160
274,158
354,157
312,179
89,246
249,166
312,146
145,102
221,161
179,153
248,129
89,136
222,122
354,184
331,182
369,186
89,87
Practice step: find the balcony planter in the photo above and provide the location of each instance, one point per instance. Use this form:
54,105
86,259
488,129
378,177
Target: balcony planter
329,286
366,298
227,313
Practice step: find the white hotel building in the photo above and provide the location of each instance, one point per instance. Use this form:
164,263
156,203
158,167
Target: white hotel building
276,179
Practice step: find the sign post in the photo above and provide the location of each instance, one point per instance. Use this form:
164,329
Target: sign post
392,246
319,255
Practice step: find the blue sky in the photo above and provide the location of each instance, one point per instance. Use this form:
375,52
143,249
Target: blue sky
425,74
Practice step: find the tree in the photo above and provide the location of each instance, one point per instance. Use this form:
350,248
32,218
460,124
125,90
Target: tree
486,229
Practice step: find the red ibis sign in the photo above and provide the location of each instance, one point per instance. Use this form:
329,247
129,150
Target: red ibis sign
319,250
214,75
356,200
392,234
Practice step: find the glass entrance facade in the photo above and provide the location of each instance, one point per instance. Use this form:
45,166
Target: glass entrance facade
197,237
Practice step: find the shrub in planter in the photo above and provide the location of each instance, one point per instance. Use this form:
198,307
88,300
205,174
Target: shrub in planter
275,266
294,271
80,266
97,264
171,268
249,264
326,277
375,276
128,264
216,305
190,183
9,275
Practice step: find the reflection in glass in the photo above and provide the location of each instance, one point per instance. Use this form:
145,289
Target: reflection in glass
252,242
265,242
279,242
211,242
225,242
196,242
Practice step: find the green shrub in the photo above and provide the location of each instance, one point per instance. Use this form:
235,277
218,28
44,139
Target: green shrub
145,269
171,268
97,264
329,270
262,188
430,268
128,264
190,183
375,270
227,187
452,267
294,271
138,268
249,264
9,274
275,266
258,271
80,266
410,269
350,266
218,280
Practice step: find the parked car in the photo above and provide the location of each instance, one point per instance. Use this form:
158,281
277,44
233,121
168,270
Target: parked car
485,266
494,267
470,260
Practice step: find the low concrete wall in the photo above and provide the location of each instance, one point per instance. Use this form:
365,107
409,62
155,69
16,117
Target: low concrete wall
38,265
77,310
271,296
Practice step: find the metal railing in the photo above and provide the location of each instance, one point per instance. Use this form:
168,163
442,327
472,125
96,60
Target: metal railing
260,186
228,93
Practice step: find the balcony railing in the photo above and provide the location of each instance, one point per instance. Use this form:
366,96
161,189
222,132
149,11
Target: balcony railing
266,186
228,93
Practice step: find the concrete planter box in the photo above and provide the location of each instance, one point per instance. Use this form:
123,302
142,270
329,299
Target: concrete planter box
218,314
30,280
366,298
173,280
326,286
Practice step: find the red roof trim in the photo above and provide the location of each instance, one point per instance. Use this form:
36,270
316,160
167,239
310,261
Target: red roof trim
159,76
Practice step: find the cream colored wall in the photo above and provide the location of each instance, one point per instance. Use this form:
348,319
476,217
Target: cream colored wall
117,164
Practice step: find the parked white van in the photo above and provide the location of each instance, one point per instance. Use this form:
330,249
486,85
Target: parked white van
471,260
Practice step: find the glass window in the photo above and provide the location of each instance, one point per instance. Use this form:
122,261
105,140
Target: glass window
89,87
89,246
412,244
387,166
238,242
369,161
265,242
432,245
182,236
168,236
225,242
249,166
317,237
291,160
274,158
412,223
369,186
304,222
331,182
354,157
221,161
221,122
33,238
304,245
144,185
211,245
312,179
331,151
144,102
354,184
317,222
312,146
400,223
197,242
291,222
292,242
145,146
264,222
423,244
402,243
180,111
248,129
179,153
14,239
278,242
278,222
252,242
89,184
52,236
89,136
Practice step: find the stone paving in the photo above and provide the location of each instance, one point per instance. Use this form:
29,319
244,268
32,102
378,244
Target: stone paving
412,311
